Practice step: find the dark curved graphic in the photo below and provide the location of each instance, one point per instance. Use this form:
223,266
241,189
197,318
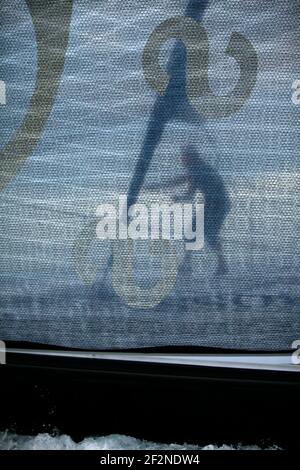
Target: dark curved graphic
51,23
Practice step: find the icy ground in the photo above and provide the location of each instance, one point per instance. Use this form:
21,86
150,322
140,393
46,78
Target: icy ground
11,441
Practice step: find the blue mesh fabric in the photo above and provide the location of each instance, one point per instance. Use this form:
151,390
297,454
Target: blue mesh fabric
73,134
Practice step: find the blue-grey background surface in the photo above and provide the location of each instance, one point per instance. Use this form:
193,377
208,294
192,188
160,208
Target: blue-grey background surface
86,156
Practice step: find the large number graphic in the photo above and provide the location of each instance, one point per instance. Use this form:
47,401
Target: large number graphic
199,94
51,23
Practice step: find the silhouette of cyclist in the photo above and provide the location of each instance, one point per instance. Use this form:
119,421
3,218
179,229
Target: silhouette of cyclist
200,176
203,177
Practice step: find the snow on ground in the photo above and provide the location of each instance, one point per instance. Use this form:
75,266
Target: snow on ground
45,441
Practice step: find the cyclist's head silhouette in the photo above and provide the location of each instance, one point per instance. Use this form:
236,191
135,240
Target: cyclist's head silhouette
190,156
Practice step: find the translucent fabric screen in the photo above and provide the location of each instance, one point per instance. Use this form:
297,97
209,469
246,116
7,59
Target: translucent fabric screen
83,125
